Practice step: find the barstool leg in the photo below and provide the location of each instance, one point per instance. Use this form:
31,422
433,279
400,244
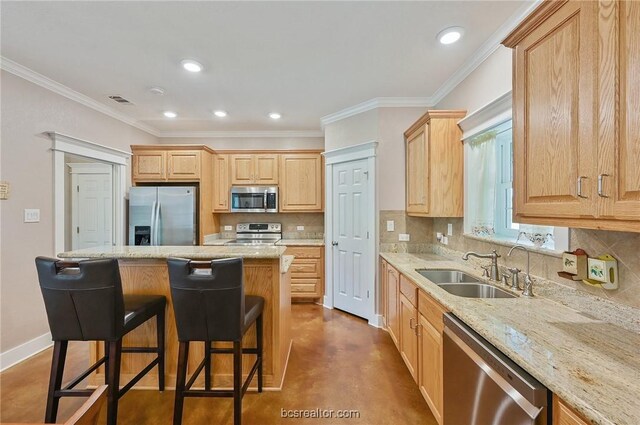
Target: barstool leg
237,382
160,339
113,393
207,365
181,377
106,362
259,340
55,380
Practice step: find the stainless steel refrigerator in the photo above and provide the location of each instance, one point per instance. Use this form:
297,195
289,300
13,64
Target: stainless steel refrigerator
162,215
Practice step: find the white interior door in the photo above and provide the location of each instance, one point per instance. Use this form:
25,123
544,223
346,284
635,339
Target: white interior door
351,281
92,210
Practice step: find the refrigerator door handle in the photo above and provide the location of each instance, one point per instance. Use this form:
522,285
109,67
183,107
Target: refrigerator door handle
153,224
157,227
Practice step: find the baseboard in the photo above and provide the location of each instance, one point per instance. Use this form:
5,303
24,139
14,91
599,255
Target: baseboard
22,352
327,302
376,321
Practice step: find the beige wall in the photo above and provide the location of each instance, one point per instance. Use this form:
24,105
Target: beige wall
27,164
253,143
352,131
489,81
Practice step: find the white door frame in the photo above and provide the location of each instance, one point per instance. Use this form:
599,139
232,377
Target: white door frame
76,168
362,151
119,160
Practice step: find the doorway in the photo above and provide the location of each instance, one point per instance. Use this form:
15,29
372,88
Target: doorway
350,222
89,204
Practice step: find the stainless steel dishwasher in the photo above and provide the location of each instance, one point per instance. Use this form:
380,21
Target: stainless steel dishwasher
484,387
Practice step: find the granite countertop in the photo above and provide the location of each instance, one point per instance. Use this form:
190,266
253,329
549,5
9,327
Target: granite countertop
163,252
301,242
285,263
585,350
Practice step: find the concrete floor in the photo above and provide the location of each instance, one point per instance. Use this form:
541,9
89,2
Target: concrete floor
337,362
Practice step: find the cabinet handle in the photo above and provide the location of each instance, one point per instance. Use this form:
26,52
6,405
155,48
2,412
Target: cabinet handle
579,190
418,330
411,319
600,179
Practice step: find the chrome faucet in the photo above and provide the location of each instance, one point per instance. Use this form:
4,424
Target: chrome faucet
527,290
494,273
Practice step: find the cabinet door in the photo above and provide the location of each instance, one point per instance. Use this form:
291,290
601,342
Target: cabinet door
242,169
384,292
620,151
183,165
564,415
301,182
430,366
149,166
221,183
417,161
393,291
408,337
266,169
555,137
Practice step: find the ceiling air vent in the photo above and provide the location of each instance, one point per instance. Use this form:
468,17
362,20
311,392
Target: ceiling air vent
120,100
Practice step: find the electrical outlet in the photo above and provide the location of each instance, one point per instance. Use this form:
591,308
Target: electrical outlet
391,225
300,228
445,240
439,236
403,237
228,228
31,215
449,229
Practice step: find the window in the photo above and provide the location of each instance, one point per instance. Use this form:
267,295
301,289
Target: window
489,193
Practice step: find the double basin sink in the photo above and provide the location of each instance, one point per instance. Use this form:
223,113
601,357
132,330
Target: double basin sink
463,285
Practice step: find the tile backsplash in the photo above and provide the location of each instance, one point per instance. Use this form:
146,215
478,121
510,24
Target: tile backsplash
624,246
418,228
313,224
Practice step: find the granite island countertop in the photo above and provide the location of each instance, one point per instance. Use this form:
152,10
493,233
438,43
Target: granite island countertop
585,350
164,252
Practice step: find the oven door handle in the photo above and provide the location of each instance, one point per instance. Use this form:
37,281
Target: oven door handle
531,410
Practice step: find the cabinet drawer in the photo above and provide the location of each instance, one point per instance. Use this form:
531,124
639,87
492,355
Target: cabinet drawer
311,267
306,287
305,251
431,310
409,290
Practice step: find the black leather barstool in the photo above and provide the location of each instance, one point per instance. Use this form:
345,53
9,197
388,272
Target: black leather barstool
84,302
210,305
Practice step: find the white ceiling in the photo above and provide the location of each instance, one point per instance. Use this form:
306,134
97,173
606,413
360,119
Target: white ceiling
302,59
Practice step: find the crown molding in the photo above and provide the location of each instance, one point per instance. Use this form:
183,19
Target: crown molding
493,113
487,48
240,134
49,84
378,102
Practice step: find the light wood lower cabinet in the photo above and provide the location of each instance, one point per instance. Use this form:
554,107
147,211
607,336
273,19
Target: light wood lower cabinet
307,272
393,304
565,415
408,336
384,291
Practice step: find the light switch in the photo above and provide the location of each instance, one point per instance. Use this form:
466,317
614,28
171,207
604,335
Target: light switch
4,190
445,240
403,237
31,215
449,229
300,228
391,225
228,228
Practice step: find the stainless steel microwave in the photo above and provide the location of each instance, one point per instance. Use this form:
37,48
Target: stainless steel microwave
254,199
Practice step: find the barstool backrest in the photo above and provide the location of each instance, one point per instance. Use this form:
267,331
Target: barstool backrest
84,300
208,299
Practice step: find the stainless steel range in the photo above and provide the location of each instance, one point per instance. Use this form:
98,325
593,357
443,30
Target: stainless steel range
257,234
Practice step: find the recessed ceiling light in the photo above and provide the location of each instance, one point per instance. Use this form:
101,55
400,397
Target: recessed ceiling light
191,65
220,114
450,35
170,114
275,116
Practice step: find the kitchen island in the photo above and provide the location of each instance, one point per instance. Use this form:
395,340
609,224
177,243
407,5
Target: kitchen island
143,270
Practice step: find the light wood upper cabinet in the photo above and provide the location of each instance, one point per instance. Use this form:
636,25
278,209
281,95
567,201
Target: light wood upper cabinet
183,165
576,91
393,294
301,184
149,166
221,193
434,165
254,169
